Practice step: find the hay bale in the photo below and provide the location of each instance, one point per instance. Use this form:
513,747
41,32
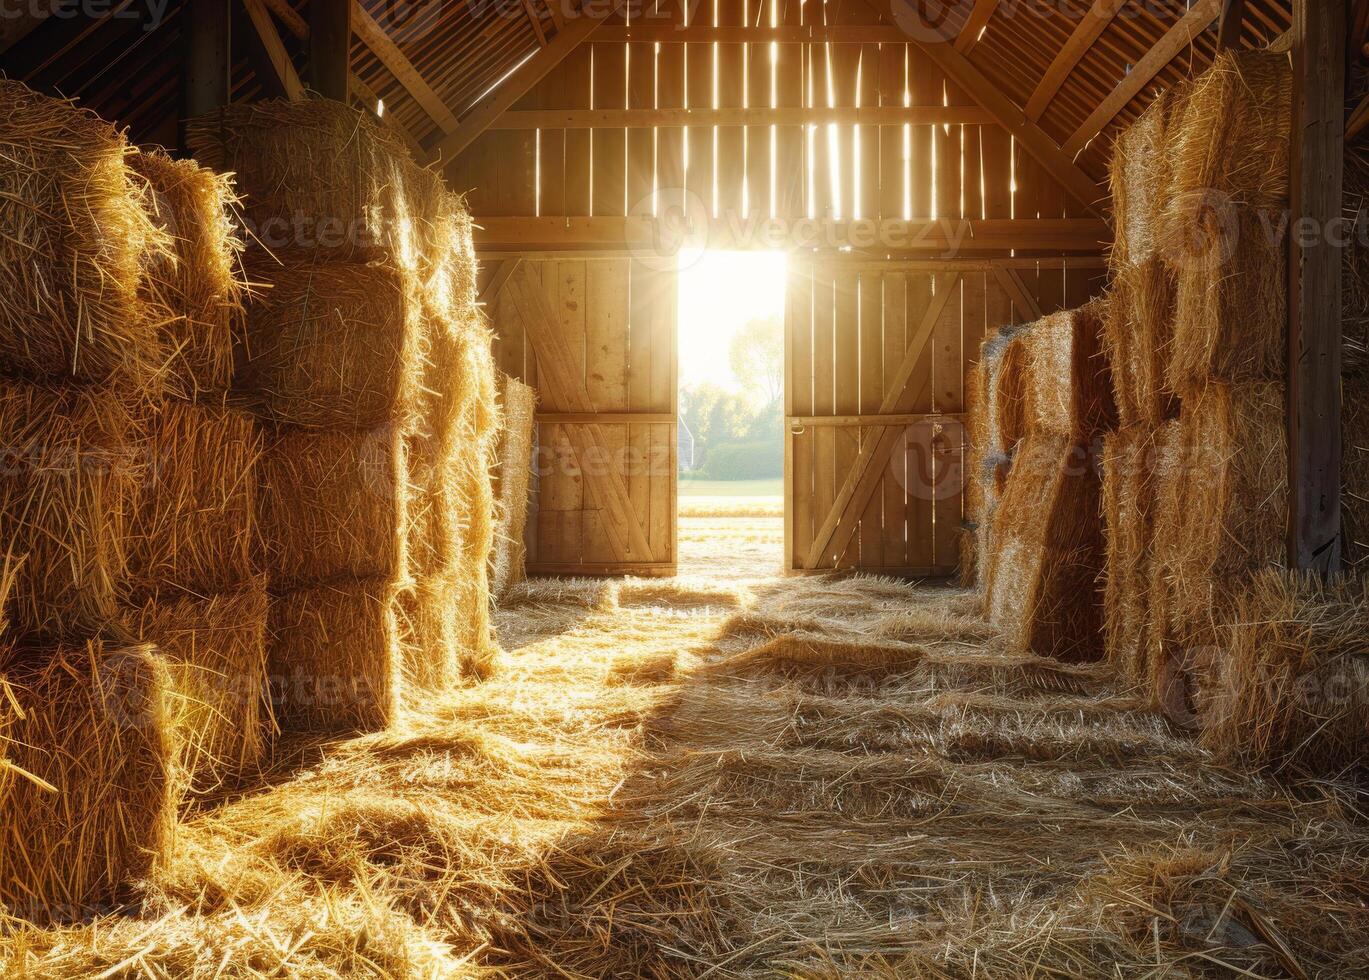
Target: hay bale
425,616
68,488
1230,510
452,285
1138,337
1231,187
433,517
1047,533
1291,684
74,235
1140,178
194,526
93,724
332,504
321,177
333,656
1066,378
215,653
1128,464
1167,504
512,482
331,345
1006,386
195,290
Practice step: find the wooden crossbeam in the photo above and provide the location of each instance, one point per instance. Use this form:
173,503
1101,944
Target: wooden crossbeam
755,116
947,237
1314,307
288,16
330,47
279,58
974,25
1198,19
1012,284
868,469
656,33
554,359
375,38
497,281
521,80
1094,22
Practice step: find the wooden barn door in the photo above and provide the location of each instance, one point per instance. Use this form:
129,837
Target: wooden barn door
875,367
596,338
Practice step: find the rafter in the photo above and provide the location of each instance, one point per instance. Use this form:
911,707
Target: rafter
756,116
1198,19
517,84
1033,138
276,54
1090,28
974,25
375,38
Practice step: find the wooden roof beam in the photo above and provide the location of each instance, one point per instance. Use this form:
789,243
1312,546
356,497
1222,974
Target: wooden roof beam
974,25
279,59
1033,138
375,38
521,80
1091,27
1198,19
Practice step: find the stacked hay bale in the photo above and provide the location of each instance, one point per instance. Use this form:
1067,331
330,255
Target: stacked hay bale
1196,485
995,404
1047,538
196,588
90,798
512,483
370,365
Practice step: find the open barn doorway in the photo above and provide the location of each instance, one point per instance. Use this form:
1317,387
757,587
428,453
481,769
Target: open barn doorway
731,396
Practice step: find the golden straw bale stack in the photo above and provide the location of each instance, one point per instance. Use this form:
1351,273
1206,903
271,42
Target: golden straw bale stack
194,526
1291,683
1138,336
1221,236
331,345
195,290
1168,516
74,237
94,727
1128,462
68,487
215,652
332,504
512,481
316,176
1007,390
1140,178
1048,538
433,518
1067,381
333,656
1232,508
426,623
452,283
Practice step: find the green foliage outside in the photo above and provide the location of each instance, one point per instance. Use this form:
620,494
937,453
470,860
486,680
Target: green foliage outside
738,434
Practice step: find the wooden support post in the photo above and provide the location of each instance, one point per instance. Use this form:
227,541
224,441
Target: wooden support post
207,60
1314,335
330,44
1229,27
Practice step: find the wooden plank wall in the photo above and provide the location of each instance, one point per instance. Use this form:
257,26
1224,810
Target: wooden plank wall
849,325
618,318
838,171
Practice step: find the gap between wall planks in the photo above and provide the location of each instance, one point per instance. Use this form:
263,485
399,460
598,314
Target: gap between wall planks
596,338
822,170
888,497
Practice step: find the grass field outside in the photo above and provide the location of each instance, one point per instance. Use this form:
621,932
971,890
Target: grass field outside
731,498
731,488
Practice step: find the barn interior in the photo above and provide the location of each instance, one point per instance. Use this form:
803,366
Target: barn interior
378,598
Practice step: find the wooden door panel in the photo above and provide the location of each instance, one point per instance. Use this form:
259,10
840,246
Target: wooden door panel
596,337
